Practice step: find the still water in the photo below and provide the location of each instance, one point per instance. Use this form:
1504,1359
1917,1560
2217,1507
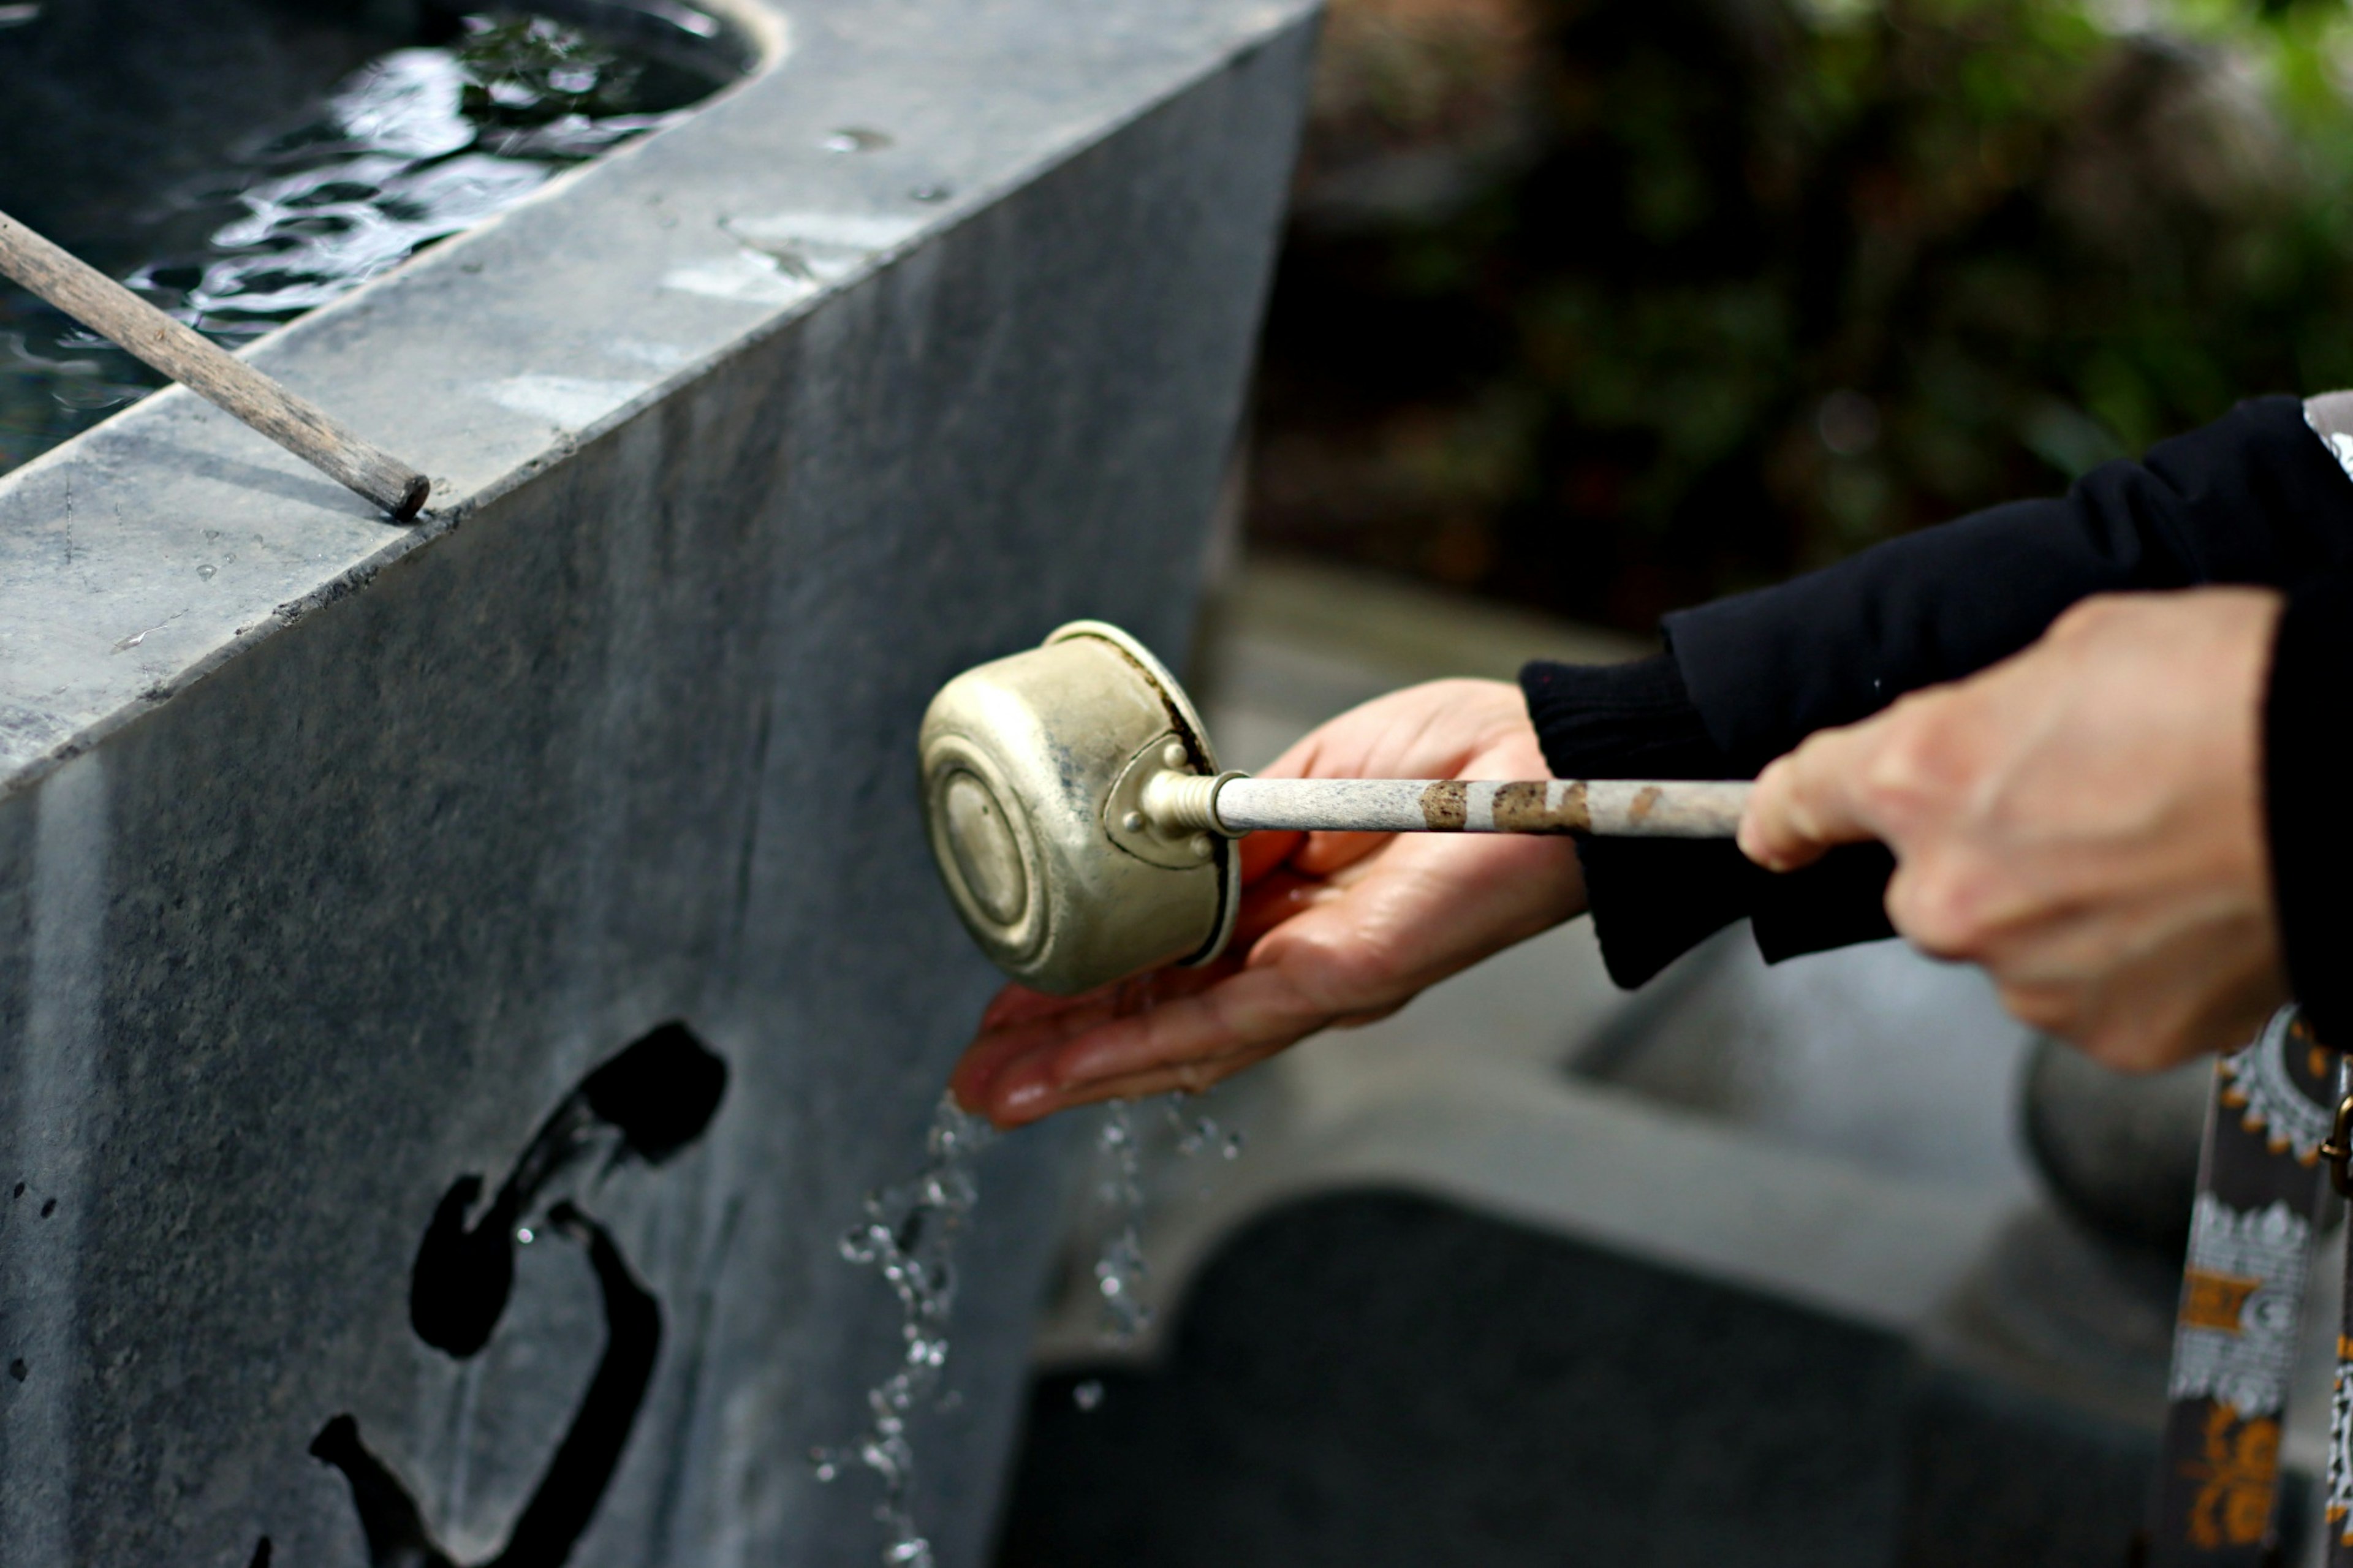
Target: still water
418,144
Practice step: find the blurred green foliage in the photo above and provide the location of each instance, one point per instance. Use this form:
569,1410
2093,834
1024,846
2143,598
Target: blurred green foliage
1740,286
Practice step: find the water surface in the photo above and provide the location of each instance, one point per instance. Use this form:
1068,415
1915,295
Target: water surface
419,143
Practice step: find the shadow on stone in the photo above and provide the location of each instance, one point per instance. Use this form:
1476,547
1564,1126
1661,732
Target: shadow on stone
1373,1379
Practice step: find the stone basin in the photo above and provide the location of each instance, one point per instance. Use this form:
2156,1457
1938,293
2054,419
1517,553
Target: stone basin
567,844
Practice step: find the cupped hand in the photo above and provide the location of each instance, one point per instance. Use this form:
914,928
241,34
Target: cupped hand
2084,819
1336,928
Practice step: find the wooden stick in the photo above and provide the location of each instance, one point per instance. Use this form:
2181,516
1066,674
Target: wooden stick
1235,803
203,366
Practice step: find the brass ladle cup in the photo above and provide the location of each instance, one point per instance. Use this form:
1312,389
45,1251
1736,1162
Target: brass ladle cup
1085,832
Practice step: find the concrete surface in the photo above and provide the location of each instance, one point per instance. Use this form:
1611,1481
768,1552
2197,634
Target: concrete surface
334,856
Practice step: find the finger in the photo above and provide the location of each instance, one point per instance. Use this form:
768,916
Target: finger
1324,853
1245,1010
1353,945
1265,852
1227,1018
1954,902
1276,898
1364,1019
2055,1009
1003,1043
1812,798
1015,1001
1350,951
1018,1020
1039,1085
1021,1025
2141,996
1423,732
1185,1078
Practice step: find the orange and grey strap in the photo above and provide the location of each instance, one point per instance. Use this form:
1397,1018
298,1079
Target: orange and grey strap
2336,1513
2269,1128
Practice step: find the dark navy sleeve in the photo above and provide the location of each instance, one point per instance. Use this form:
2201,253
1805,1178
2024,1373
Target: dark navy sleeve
2252,497
2307,751
1654,900
2255,497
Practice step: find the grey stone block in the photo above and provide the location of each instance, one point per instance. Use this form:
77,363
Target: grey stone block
327,877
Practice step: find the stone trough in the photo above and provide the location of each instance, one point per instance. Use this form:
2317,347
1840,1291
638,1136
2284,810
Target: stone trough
370,896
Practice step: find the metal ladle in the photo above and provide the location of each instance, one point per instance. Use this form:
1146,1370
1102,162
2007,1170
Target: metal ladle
1086,834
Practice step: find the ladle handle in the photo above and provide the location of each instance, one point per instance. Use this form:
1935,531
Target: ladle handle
1634,808
204,367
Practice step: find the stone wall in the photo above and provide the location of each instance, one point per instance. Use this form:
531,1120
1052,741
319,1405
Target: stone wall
335,860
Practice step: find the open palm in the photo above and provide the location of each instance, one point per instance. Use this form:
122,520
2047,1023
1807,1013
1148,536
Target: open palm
1334,928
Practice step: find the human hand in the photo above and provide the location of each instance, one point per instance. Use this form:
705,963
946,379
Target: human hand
2084,819
1334,928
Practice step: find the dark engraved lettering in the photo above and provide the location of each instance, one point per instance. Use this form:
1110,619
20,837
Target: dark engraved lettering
566,1496
649,1102
646,1104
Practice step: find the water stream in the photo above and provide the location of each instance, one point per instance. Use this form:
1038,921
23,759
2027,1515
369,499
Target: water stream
909,1235
419,145
1120,1269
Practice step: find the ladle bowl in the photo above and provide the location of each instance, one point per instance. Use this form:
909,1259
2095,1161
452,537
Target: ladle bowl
1085,833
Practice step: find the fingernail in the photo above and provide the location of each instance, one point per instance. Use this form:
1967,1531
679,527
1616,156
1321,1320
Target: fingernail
1022,1097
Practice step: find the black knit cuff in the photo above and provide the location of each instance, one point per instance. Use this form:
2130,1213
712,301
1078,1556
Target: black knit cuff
1652,899
1631,720
2305,757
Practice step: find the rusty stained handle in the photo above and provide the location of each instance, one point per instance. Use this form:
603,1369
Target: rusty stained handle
204,367
1236,804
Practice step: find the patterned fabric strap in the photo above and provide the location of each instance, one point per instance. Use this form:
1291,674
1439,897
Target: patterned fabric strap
2337,1516
2260,1185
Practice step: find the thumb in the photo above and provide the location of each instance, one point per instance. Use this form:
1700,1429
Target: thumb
1812,799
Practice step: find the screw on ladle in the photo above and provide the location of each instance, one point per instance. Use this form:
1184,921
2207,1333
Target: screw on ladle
175,349
1084,833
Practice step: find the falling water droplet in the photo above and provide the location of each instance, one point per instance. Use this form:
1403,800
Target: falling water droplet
908,1235
1088,1395
525,1234
1119,1266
